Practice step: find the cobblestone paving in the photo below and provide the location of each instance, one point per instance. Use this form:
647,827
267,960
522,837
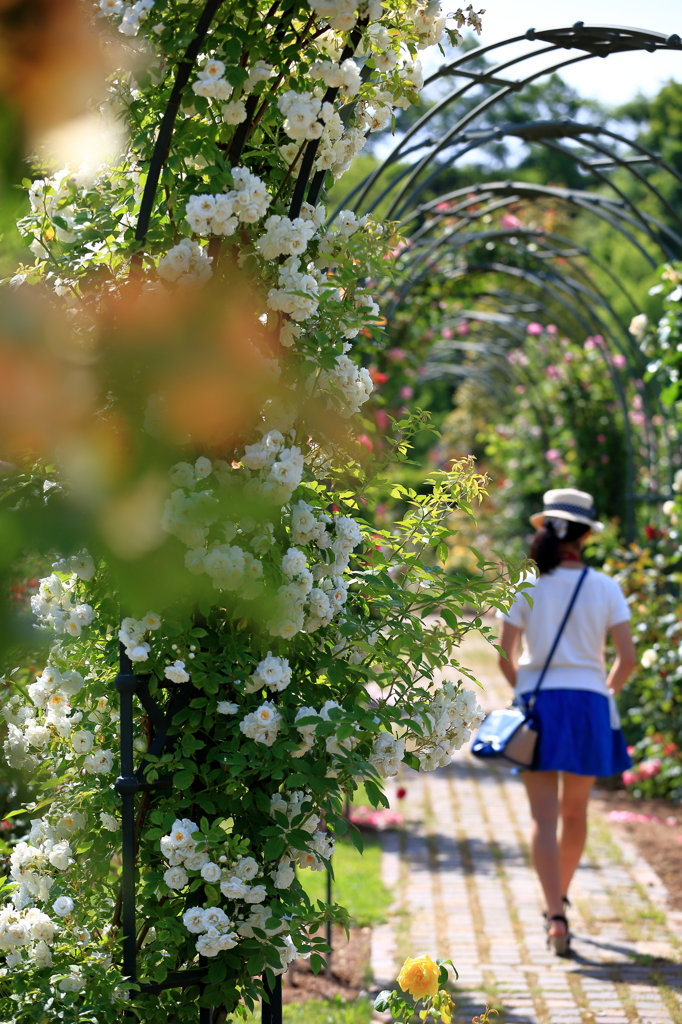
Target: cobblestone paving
464,889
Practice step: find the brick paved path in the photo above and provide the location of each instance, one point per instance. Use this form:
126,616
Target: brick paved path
464,889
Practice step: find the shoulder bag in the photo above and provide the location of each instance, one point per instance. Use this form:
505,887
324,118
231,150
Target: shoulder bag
509,737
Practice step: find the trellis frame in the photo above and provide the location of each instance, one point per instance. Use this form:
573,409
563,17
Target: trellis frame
419,220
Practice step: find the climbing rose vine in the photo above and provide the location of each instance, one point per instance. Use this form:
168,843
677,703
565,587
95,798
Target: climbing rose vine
302,653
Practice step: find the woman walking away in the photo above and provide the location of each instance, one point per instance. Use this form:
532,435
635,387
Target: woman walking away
574,711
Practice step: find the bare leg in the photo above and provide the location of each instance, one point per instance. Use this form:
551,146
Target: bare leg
575,795
543,794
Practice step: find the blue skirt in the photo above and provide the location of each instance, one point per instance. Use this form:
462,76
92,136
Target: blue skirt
576,734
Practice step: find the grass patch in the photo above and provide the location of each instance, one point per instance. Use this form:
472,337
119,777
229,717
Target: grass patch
357,883
324,1011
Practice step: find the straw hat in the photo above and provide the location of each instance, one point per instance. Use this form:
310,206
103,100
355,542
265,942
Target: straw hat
570,504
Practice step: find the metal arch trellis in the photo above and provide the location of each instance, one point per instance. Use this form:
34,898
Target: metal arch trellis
131,781
430,242
593,40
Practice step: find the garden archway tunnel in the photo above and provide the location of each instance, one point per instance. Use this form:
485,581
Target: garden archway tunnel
537,272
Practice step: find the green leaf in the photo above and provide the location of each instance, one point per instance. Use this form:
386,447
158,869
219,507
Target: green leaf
450,618
262,801
356,840
411,760
375,795
160,972
274,848
217,971
233,49
669,394
383,1000
183,779
317,963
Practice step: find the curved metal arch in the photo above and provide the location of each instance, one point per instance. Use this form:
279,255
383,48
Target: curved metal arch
557,285
505,234
651,396
570,288
592,40
573,308
531,233
540,232
545,133
607,210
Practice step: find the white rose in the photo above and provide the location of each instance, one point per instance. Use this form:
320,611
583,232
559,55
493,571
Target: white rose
226,707
138,653
207,945
196,861
182,474
638,326
210,872
71,983
40,926
82,741
649,658
234,112
71,682
256,894
175,878
193,920
108,821
63,906
60,856
283,876
214,917
98,762
176,672
233,888
83,614
247,868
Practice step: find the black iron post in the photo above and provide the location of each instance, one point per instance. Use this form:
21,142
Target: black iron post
126,785
329,923
271,1007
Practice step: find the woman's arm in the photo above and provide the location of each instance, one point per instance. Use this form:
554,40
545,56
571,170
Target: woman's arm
509,642
626,659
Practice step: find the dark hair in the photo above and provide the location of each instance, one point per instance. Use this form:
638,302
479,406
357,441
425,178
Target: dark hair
545,548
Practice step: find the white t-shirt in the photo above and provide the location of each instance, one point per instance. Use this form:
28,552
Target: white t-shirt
578,662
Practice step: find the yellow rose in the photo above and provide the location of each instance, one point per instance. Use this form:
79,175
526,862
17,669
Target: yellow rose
419,976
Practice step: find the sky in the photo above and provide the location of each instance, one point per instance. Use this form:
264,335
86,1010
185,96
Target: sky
619,77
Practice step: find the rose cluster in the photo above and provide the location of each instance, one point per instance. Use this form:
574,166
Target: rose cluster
221,214
133,632
449,721
56,605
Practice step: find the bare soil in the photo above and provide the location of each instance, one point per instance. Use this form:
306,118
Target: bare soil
349,975
659,844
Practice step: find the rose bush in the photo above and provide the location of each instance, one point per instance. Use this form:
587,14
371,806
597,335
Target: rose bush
288,650
649,572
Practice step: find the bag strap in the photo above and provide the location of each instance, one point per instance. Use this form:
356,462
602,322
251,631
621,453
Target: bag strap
534,693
